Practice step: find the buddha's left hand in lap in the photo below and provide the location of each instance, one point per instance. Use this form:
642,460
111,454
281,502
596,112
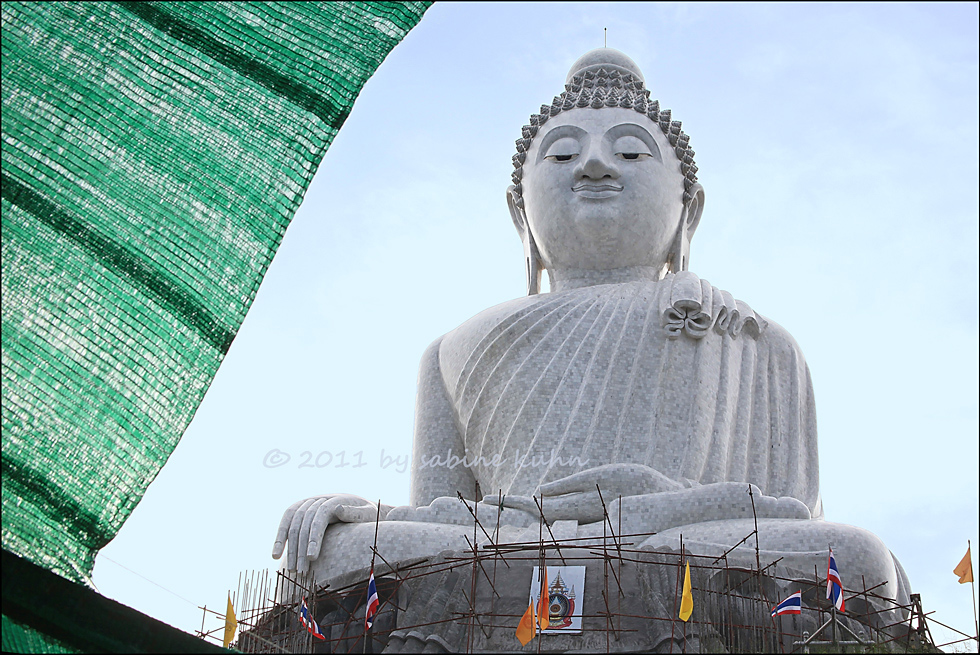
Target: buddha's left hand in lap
718,501
651,501
576,497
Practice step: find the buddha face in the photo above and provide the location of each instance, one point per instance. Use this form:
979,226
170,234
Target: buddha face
602,190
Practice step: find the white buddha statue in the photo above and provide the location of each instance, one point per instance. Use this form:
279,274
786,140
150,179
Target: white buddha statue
631,374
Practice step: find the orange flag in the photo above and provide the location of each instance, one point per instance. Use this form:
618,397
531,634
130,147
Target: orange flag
965,568
525,629
544,602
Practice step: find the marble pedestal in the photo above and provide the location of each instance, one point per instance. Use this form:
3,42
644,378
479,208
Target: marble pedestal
426,596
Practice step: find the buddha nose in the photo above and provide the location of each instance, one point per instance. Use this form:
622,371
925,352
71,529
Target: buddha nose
596,164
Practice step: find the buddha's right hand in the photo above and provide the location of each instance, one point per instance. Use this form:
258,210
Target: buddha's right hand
304,523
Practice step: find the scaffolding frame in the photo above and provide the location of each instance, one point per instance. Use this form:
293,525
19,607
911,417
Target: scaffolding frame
268,621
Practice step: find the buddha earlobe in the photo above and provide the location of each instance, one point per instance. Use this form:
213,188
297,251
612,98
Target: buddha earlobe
532,260
532,265
679,258
680,252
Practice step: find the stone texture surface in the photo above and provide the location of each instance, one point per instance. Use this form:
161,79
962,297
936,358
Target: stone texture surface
598,376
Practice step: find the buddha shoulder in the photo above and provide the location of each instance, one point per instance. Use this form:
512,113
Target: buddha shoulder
456,347
683,305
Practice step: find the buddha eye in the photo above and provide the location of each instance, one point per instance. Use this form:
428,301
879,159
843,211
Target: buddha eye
563,150
631,148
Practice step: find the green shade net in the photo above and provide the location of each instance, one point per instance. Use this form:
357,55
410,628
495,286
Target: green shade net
153,156
18,638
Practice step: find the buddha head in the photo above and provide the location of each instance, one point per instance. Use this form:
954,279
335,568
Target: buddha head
604,181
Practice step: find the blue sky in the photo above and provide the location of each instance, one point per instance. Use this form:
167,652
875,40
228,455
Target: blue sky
838,148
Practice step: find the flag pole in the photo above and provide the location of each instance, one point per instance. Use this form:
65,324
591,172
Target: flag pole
377,522
833,601
833,615
541,564
973,595
374,553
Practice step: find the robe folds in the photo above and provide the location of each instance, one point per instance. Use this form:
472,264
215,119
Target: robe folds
676,375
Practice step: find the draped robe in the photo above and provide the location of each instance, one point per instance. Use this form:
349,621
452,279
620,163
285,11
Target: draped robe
676,375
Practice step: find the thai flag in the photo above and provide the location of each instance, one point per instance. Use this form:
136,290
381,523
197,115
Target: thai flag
792,605
372,604
835,588
308,622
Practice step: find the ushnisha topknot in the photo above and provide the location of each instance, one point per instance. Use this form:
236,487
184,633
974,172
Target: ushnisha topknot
607,78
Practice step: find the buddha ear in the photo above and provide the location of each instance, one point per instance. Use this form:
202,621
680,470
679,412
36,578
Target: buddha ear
532,261
693,209
680,253
516,211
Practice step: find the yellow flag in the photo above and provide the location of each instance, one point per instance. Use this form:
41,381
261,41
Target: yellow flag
525,629
965,568
544,603
687,600
231,623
